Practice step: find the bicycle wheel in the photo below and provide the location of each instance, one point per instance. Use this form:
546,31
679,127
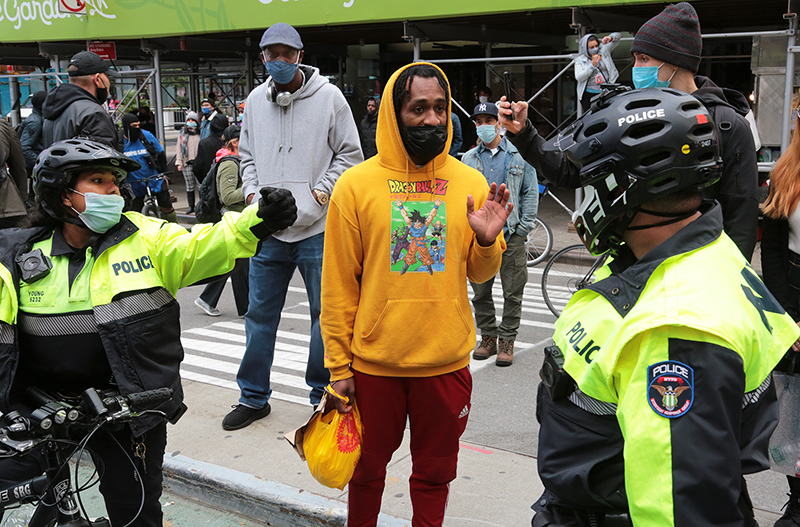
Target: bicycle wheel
20,517
569,270
151,209
539,243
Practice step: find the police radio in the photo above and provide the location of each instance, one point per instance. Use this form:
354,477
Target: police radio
556,381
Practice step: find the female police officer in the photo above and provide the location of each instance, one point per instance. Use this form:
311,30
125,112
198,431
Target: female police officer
87,299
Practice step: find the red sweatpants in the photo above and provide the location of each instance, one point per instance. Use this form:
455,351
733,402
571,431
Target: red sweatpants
438,409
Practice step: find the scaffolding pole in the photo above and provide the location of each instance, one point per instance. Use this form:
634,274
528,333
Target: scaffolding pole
789,83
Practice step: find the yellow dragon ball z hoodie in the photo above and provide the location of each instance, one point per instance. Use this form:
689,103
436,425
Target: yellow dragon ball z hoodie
398,253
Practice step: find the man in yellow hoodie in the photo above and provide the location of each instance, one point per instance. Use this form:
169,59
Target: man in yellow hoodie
398,333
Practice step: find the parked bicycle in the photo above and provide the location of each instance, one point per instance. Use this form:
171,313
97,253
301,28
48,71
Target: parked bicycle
540,240
58,502
568,271
151,207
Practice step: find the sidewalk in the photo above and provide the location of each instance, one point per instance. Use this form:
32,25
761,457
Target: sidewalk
254,471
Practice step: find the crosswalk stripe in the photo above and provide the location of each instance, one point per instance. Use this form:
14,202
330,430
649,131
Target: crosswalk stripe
208,379
297,360
229,367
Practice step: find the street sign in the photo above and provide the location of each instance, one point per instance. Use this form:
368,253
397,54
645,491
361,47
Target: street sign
72,7
106,50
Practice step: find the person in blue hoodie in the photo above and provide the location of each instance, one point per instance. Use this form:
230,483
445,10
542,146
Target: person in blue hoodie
143,147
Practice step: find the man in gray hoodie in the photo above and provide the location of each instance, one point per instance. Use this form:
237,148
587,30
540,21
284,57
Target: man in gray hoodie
298,133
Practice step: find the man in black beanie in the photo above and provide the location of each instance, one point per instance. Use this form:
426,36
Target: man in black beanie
667,50
207,148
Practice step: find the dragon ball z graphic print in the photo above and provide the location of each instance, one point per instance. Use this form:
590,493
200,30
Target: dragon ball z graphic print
419,236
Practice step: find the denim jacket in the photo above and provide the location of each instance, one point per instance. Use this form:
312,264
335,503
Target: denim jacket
521,183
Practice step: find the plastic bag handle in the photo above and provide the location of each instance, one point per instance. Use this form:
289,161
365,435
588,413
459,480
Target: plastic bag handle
331,391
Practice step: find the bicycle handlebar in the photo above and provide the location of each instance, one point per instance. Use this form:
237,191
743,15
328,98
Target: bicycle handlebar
53,418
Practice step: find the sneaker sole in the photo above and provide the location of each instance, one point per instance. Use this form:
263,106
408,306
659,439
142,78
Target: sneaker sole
255,417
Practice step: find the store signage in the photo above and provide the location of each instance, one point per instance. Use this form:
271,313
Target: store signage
106,50
60,20
72,7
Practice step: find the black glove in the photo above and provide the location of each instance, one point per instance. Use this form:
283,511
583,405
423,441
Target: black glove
278,211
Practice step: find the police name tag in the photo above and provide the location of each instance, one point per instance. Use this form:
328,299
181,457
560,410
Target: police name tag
670,388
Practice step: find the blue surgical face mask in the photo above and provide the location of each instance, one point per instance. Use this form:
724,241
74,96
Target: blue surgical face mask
191,124
103,211
205,110
282,72
647,77
487,133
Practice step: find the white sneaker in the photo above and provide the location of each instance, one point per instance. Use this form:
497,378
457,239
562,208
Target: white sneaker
210,311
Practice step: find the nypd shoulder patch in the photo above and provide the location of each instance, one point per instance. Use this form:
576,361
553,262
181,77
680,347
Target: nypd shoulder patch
670,388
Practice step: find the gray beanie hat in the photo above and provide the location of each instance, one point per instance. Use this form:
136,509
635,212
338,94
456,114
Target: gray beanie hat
672,36
192,115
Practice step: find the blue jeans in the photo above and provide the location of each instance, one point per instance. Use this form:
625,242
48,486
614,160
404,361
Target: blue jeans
271,271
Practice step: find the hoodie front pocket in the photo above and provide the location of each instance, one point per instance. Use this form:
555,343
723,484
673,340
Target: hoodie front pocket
417,333
308,210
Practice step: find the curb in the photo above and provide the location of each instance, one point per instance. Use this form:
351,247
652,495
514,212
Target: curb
262,500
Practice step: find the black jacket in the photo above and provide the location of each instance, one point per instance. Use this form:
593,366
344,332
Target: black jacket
367,130
775,262
737,187
735,190
206,151
70,111
31,138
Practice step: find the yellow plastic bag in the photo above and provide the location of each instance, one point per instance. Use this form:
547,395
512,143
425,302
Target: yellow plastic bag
332,445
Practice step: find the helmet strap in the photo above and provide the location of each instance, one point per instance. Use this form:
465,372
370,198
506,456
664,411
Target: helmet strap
675,217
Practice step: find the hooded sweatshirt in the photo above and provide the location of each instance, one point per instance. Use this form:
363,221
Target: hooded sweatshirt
301,147
374,317
70,111
583,62
737,188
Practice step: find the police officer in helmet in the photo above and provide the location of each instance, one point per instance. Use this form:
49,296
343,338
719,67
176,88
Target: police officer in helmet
656,396
94,306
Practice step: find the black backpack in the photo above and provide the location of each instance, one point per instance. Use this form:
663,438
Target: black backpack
208,209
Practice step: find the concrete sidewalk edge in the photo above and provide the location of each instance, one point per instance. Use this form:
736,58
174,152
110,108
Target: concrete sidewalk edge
262,500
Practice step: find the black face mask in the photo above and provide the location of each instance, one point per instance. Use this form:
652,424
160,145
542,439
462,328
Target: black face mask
424,142
102,95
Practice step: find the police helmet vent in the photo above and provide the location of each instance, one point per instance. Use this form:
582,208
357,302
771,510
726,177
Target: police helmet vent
595,129
645,130
638,104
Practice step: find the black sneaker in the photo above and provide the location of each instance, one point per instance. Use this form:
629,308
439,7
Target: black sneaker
242,416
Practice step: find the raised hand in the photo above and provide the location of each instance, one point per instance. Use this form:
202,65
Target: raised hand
488,221
504,111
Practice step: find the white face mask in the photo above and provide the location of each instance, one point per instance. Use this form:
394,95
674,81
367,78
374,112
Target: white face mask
483,98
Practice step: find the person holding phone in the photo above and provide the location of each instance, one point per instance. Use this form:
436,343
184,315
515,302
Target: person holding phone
594,66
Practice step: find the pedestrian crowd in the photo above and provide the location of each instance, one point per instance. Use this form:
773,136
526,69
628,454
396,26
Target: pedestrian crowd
656,395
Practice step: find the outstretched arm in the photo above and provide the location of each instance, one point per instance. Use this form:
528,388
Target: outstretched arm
433,212
488,221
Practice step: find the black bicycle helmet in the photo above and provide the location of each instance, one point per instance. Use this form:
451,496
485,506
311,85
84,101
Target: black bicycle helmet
631,148
62,161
